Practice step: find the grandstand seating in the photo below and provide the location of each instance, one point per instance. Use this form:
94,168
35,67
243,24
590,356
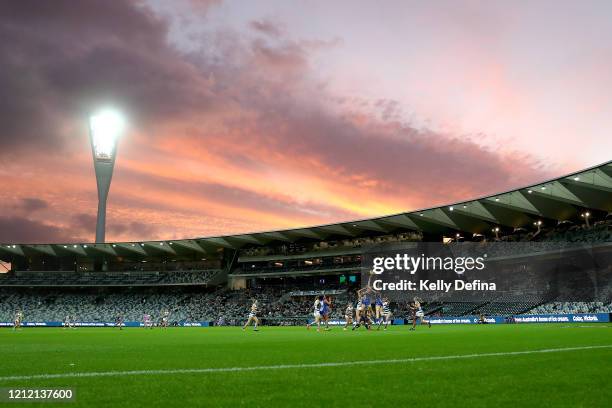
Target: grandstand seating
572,307
136,278
181,286
189,305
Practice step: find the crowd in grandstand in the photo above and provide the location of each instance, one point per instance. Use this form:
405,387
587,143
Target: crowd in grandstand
289,249
232,306
572,307
565,236
106,278
180,287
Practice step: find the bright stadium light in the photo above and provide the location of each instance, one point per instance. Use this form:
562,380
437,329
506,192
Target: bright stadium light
586,216
105,128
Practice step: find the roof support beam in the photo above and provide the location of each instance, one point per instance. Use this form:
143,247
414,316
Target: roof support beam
513,201
187,244
104,249
216,242
13,249
308,233
275,236
43,249
401,221
369,225
72,248
594,179
435,216
476,210
554,191
240,240
336,229
159,246
131,247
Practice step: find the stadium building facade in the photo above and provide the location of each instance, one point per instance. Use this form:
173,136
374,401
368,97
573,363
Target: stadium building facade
297,263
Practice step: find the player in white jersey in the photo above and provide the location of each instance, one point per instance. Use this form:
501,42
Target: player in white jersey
317,306
417,313
119,321
252,317
360,305
69,322
348,315
147,322
385,313
165,319
18,320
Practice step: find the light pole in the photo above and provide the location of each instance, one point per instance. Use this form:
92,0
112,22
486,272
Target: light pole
538,224
105,127
496,231
586,216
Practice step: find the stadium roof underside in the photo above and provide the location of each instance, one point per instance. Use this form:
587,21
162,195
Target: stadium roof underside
555,200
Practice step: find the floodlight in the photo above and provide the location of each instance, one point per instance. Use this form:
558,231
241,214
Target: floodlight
105,128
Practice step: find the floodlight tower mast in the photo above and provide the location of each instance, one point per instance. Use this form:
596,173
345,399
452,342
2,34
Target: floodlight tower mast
105,127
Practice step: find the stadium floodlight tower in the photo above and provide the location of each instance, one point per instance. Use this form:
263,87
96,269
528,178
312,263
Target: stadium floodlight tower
105,127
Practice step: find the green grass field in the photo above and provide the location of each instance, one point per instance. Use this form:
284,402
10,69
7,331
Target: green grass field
573,378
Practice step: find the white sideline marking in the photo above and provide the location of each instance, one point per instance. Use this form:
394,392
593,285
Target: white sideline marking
290,366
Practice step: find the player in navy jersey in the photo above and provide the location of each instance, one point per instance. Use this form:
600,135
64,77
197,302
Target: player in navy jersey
378,307
326,311
365,313
363,308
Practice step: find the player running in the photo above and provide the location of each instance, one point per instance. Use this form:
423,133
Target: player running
364,304
326,311
416,312
119,321
147,322
385,313
165,319
17,320
348,315
359,306
378,308
69,322
252,317
317,307
363,314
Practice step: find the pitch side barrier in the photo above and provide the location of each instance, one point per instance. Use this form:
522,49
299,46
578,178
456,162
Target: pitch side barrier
99,324
539,318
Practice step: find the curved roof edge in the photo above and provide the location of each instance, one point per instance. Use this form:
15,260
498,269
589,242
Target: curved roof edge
556,199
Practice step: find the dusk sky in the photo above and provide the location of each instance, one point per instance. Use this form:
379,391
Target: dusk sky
257,115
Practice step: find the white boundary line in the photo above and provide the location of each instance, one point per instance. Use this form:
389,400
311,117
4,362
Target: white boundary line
291,366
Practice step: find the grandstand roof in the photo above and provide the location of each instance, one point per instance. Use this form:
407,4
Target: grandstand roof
559,199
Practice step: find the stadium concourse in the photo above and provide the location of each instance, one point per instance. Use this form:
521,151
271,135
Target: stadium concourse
215,279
